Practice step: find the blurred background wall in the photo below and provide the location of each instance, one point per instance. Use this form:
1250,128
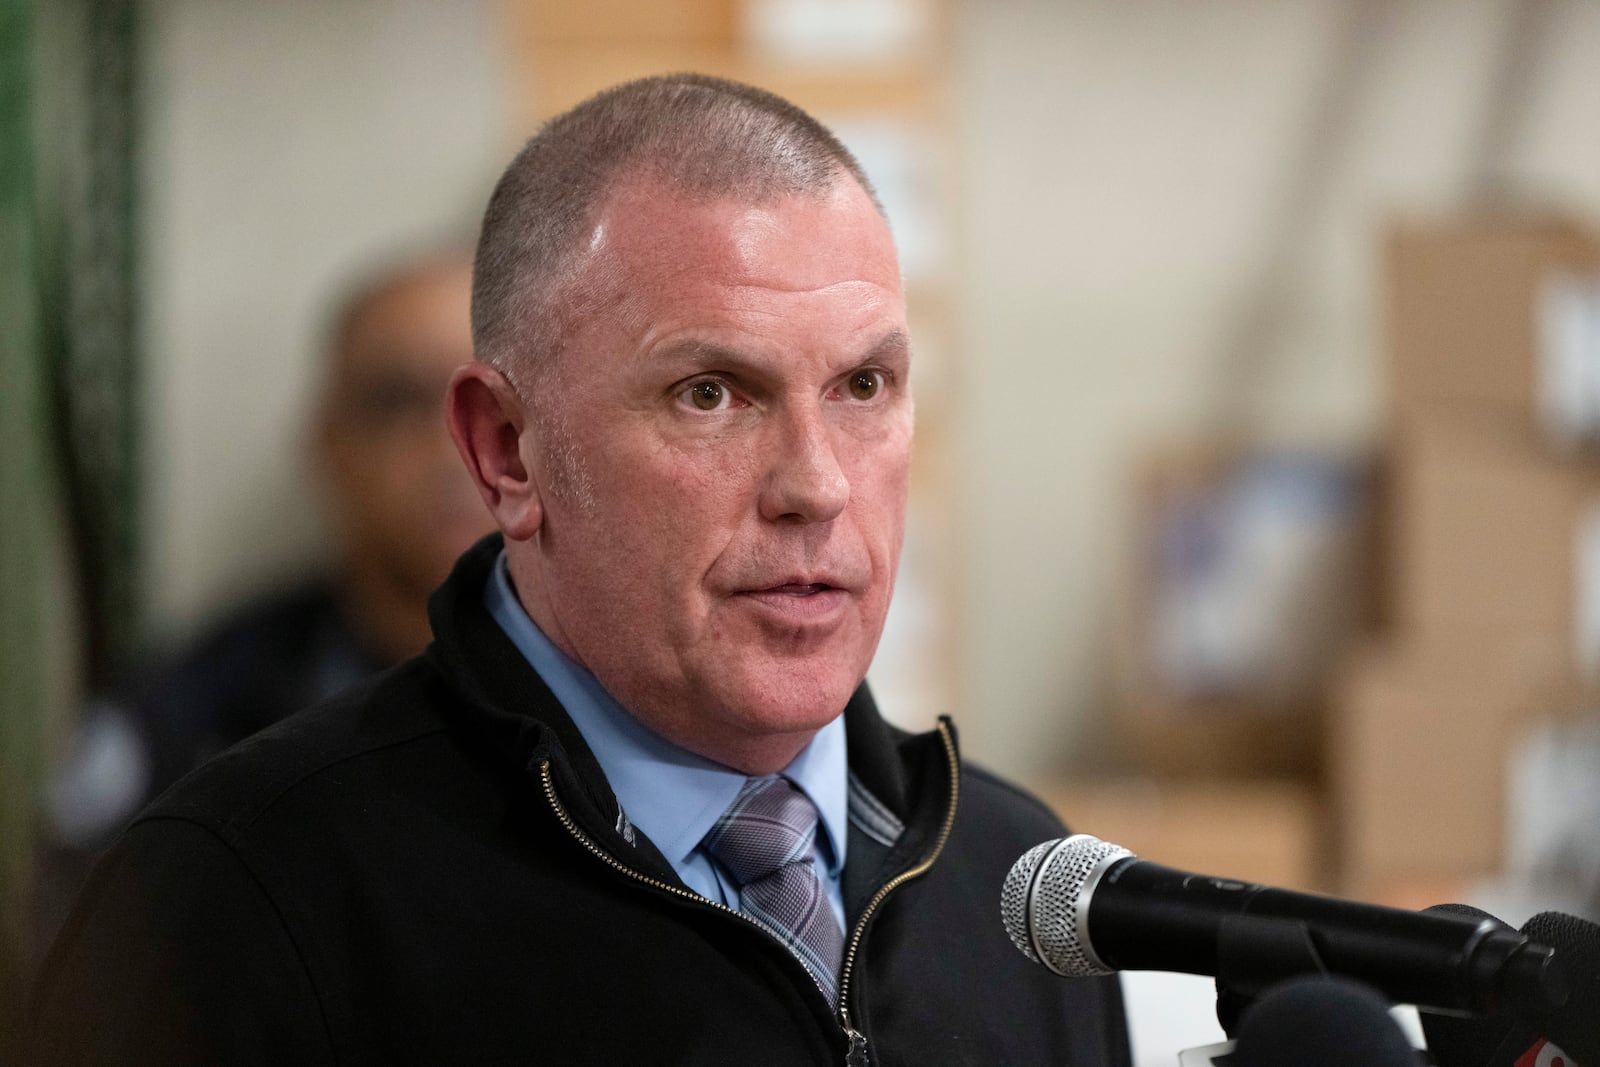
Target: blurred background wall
1154,250
287,146
1136,179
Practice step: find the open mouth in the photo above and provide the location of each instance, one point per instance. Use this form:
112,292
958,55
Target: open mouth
796,589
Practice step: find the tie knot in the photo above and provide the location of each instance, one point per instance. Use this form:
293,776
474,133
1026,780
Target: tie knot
769,825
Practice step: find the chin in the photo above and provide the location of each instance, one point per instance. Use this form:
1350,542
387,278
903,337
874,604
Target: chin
789,698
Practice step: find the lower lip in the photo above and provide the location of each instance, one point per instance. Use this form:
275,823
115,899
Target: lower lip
822,606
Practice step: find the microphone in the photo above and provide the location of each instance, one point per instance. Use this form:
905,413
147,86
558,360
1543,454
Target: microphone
1080,906
1575,1025
1321,1022
1508,1038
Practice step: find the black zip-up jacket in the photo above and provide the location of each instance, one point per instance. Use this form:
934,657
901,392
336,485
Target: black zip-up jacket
433,870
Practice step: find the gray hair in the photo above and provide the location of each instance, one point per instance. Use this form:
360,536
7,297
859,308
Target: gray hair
700,136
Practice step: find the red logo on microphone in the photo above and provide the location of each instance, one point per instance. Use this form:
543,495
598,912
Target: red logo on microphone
1544,1054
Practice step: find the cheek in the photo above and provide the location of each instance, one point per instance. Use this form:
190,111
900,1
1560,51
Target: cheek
368,481
880,481
702,488
664,515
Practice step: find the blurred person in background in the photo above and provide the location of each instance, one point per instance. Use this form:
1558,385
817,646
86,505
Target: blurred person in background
398,509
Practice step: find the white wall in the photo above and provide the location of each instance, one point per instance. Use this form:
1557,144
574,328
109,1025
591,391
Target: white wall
286,145
1125,164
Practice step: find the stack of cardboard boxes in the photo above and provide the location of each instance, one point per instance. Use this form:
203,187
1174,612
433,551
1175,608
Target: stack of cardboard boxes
1493,575
1245,581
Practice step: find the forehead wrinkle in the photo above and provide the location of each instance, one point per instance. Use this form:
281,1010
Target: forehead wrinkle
735,243
774,285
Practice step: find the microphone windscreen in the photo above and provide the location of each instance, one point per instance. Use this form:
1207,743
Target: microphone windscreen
1576,1026
1321,1022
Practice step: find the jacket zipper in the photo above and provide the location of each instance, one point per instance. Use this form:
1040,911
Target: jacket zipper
639,876
858,1043
856,1055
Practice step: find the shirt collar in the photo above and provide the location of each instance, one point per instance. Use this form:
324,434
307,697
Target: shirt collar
672,794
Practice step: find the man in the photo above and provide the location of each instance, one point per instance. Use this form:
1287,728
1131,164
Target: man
615,814
398,515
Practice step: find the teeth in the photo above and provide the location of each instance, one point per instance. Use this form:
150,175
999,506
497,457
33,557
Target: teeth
797,589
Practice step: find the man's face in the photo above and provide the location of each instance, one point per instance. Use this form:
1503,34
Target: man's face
396,494
731,463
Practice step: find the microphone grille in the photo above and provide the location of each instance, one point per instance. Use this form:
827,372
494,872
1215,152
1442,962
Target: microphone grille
1014,898
1042,897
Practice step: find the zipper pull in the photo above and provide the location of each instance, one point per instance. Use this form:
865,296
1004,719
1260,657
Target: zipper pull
856,1056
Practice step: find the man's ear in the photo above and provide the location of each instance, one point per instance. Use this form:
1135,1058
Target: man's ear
487,421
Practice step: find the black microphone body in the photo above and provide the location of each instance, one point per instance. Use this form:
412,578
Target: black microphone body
1150,917
1081,906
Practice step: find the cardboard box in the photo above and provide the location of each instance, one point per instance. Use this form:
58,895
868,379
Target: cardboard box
1268,832
1247,574
1465,316
1183,740
1418,748
1493,535
619,23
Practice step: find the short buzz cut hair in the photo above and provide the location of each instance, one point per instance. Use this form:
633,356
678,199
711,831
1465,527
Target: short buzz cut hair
702,137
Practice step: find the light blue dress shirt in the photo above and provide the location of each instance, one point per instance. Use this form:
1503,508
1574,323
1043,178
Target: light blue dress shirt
674,795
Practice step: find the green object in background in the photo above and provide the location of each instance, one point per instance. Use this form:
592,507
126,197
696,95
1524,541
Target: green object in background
84,163
68,415
28,520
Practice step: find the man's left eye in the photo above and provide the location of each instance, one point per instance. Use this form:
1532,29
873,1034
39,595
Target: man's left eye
707,395
864,384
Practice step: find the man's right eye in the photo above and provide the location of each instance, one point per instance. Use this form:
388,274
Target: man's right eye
707,395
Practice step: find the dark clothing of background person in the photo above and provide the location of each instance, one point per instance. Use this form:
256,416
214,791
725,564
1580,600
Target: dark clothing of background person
433,869
275,655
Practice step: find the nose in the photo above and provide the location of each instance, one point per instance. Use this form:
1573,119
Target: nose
804,482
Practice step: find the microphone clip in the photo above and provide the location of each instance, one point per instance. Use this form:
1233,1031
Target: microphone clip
1256,952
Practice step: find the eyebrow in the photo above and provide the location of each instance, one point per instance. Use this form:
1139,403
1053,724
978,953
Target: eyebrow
706,354
894,344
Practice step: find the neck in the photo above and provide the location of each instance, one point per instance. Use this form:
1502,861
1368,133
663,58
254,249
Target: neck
757,757
389,617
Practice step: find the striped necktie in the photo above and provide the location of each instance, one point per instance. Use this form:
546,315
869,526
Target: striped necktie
765,842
